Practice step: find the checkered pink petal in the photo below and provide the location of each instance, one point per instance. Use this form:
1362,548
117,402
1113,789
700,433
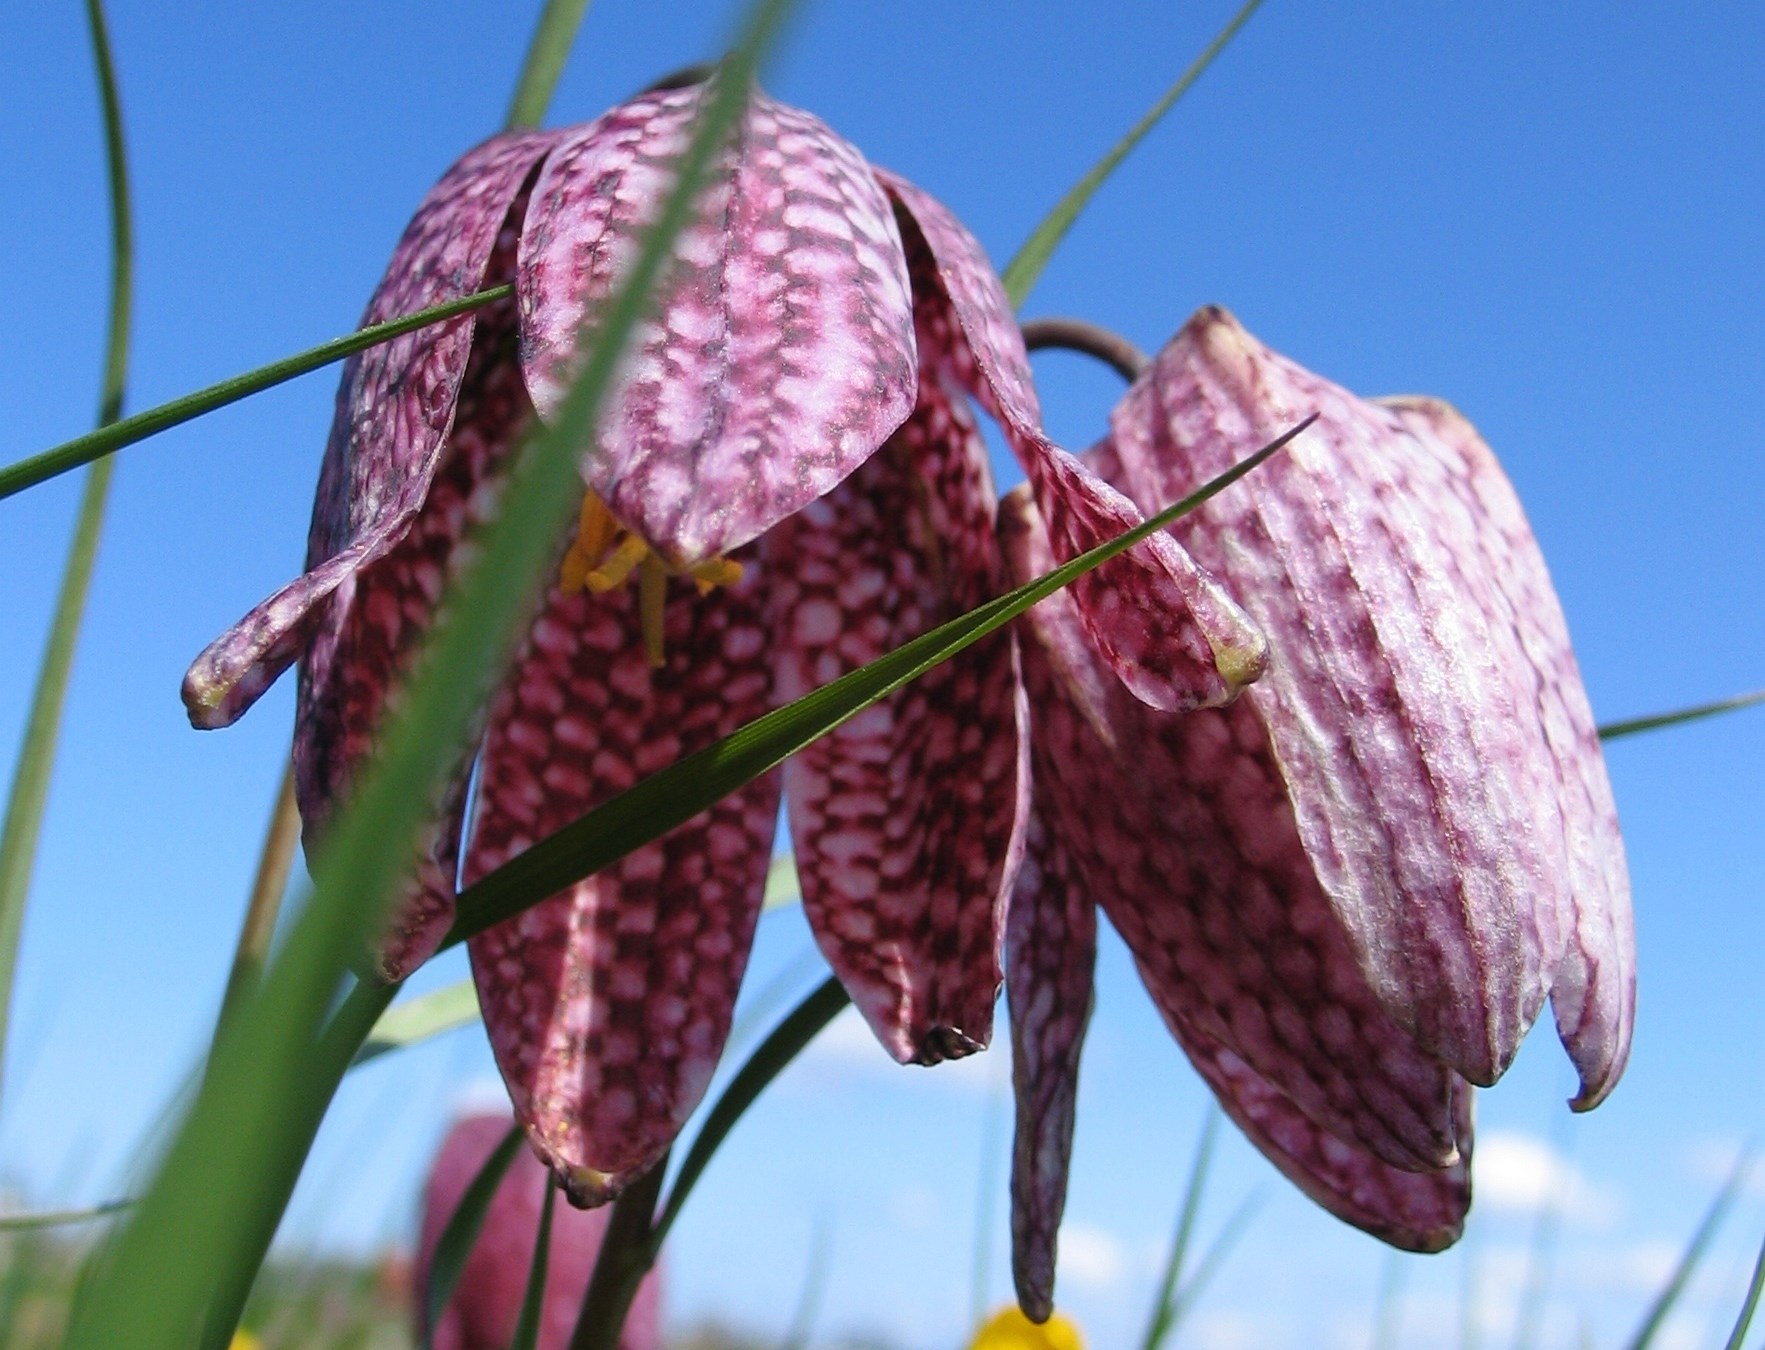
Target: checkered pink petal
607,1006
1417,1211
906,821
1051,950
394,409
1422,704
1179,826
781,354
1173,636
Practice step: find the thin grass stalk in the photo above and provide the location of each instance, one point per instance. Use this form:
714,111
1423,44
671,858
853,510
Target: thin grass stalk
264,903
1159,1325
1212,1259
814,1291
460,1233
986,1200
1744,1319
533,1299
1385,1313
107,440
218,1188
1022,272
1689,1260
1613,731
28,798
553,36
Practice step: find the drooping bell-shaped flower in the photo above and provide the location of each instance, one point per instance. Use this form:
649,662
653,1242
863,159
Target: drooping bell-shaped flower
487,1298
791,472
1350,892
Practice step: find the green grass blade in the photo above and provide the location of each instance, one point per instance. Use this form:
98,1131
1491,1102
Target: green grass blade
445,1009
1744,1321
1612,731
651,808
1159,1327
462,1228
786,1042
59,1218
814,1291
1212,1259
546,54
218,1188
1385,1313
1022,272
533,1299
1689,1259
28,798
57,460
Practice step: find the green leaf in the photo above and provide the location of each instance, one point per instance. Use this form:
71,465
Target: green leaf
417,1019
1612,731
1744,1321
39,468
546,53
463,1227
58,1218
1164,1310
1022,272
786,1042
29,796
651,808
1693,1254
533,1300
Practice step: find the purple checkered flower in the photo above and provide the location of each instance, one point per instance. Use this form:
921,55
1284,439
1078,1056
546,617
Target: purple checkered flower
1351,891
790,472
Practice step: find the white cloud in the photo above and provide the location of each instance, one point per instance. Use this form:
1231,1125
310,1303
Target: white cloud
1091,1256
1520,1173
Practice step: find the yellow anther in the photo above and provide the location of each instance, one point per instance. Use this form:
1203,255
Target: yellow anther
618,565
604,554
715,572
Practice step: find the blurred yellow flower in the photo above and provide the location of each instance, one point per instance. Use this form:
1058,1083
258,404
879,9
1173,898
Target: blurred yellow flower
1009,1329
244,1340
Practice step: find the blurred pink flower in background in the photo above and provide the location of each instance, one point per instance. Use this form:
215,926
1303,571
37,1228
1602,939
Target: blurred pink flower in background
487,1300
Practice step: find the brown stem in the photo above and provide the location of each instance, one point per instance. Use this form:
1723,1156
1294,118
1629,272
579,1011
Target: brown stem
1077,335
624,1260
273,866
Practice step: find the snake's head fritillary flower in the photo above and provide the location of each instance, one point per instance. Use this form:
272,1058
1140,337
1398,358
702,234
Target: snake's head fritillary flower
486,1302
1351,892
791,474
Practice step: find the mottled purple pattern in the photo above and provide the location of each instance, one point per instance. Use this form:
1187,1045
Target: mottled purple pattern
1417,1211
1051,949
394,408
607,1006
1409,696
1594,992
781,354
1167,629
907,820
486,1303
1179,826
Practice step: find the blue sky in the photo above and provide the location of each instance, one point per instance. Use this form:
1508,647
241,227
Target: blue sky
1549,214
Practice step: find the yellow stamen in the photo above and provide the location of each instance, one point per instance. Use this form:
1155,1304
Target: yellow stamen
618,565
604,554
715,572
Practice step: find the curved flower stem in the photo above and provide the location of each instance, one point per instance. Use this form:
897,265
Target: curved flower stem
30,785
627,1253
1077,335
265,903
94,445
552,39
